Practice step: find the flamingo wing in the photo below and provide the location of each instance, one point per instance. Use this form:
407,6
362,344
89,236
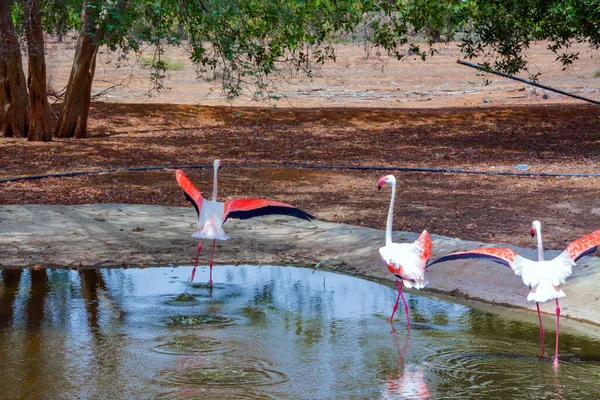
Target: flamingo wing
249,208
191,192
584,245
503,256
424,245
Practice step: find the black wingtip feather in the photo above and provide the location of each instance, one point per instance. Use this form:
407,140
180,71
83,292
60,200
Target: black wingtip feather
587,253
187,196
465,256
268,210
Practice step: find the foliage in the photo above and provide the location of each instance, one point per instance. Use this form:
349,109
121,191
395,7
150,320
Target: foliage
250,44
502,30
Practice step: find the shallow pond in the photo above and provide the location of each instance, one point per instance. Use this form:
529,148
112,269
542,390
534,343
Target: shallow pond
265,332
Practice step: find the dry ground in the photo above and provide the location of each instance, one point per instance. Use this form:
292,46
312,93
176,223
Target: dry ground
449,118
557,138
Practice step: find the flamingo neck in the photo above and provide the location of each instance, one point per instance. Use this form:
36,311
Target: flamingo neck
390,218
214,195
540,246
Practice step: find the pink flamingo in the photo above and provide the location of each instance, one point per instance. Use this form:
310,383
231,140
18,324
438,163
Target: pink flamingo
212,214
407,261
543,277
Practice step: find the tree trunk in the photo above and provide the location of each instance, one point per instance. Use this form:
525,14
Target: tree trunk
39,109
73,117
13,92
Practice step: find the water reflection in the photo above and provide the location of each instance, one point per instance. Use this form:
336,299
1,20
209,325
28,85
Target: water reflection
410,382
290,333
10,286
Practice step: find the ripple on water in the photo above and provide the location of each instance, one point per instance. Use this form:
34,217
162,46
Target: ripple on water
199,320
227,376
480,368
183,299
219,291
189,345
193,392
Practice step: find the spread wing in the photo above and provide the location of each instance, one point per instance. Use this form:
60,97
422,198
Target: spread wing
249,208
503,256
191,192
584,245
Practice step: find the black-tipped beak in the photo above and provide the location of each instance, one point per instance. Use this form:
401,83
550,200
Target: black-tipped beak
378,187
532,233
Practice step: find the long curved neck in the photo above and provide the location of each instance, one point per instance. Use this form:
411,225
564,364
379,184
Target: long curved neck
390,218
214,196
538,234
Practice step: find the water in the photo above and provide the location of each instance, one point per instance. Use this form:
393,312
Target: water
266,332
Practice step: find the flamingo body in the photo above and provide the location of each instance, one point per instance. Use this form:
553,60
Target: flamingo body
210,221
408,260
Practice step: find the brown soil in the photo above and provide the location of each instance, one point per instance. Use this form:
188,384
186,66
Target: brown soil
450,119
558,138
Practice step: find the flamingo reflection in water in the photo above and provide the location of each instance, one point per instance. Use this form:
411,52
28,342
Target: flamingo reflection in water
410,382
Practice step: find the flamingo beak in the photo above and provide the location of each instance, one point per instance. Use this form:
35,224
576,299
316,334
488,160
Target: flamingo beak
380,183
532,231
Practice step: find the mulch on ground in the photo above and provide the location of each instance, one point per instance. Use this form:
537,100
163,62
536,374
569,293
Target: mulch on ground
558,138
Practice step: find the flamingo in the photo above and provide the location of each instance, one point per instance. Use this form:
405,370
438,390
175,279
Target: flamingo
407,261
543,277
212,214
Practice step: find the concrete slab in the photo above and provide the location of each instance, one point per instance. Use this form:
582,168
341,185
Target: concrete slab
115,235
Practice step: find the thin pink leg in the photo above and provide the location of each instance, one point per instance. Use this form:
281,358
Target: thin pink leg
557,327
212,255
196,262
405,305
541,327
397,300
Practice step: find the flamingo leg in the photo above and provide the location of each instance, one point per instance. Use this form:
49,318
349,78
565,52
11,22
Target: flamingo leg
396,304
557,328
212,255
541,326
405,305
196,262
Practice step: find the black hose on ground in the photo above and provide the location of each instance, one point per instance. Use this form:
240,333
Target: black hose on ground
304,166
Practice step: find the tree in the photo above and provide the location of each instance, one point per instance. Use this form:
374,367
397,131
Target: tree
39,109
250,44
97,17
501,30
13,91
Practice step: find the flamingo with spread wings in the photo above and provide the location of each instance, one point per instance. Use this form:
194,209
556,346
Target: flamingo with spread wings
212,214
407,261
543,277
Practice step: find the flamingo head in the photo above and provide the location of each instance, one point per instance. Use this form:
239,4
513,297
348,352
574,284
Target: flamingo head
536,227
217,163
389,179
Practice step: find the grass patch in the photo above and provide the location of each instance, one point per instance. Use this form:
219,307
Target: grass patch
169,63
184,298
597,74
